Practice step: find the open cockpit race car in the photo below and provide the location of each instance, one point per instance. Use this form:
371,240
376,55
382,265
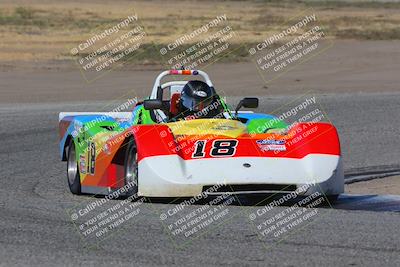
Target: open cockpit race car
184,139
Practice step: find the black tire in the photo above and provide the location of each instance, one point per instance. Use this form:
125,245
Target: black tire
131,168
73,177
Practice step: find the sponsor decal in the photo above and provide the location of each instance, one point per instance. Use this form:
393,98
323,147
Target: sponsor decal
224,127
91,158
122,120
274,145
82,164
107,149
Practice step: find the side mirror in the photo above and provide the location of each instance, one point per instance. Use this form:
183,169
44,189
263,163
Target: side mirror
250,102
247,102
151,104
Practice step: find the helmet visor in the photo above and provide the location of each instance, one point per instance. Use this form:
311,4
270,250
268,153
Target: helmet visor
196,104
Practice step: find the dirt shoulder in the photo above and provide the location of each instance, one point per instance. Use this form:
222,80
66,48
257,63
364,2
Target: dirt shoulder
48,29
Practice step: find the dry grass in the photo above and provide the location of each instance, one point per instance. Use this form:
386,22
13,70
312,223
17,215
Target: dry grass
46,31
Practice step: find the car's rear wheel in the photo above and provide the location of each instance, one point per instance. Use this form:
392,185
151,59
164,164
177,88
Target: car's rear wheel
73,176
131,168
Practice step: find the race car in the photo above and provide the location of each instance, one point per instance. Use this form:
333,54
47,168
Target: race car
184,140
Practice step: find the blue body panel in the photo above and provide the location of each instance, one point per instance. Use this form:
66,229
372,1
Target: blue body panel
252,116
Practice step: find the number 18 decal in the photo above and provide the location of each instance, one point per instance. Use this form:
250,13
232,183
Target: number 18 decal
219,148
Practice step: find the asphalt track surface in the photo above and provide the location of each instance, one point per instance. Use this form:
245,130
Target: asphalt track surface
37,230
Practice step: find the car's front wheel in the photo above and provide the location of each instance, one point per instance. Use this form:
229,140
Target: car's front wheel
74,180
131,168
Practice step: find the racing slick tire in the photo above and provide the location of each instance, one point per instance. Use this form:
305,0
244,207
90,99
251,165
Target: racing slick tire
131,168
73,176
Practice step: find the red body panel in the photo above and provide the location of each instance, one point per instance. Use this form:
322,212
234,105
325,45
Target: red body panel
157,140
303,139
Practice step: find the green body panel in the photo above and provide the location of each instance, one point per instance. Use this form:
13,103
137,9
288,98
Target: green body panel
256,126
97,132
142,116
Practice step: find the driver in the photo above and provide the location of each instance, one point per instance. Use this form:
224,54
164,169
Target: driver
198,101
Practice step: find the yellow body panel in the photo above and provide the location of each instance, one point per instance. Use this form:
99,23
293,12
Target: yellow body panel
217,127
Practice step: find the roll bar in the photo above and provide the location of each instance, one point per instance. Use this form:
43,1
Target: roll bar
157,83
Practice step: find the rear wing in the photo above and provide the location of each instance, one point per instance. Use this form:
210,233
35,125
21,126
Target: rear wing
115,115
